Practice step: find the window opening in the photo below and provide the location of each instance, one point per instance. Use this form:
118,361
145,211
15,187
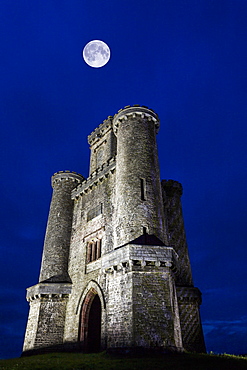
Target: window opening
93,250
98,249
143,189
94,212
89,252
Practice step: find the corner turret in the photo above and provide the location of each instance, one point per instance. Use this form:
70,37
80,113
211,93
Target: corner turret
57,240
139,206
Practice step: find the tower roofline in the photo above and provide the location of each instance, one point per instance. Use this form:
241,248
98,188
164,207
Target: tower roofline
66,175
135,110
100,131
172,187
95,178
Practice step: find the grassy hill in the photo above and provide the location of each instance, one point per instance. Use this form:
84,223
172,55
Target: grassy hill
73,361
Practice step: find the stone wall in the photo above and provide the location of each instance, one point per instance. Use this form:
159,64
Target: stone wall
32,324
189,300
103,145
45,327
97,190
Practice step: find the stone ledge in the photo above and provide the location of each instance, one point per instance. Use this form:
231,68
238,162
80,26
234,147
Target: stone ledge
133,257
49,290
93,266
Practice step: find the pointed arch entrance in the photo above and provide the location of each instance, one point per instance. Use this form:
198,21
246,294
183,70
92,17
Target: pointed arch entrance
90,322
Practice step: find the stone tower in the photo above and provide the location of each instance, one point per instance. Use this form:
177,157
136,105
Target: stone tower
115,271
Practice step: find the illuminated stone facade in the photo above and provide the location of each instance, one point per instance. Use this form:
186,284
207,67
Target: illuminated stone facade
115,271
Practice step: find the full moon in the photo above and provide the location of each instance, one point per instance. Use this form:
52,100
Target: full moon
96,53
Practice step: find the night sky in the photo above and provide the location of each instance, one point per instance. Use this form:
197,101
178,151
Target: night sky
187,60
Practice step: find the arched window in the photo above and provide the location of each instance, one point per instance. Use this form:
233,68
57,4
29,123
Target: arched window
93,250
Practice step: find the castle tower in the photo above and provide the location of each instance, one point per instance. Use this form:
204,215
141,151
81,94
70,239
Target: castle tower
115,270
189,297
48,299
54,266
139,205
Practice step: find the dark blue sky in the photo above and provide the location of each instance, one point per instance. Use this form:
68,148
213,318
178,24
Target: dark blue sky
187,60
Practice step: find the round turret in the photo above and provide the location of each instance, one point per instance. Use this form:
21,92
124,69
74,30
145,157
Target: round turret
175,229
139,204
56,246
172,188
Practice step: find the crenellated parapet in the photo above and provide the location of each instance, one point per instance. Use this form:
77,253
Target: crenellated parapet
95,178
135,111
100,131
103,145
73,177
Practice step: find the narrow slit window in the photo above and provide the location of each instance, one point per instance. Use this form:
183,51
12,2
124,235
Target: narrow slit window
89,252
98,254
94,251
143,189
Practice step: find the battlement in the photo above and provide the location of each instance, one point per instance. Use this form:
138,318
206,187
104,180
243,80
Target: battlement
96,177
100,131
172,187
66,175
135,111
135,106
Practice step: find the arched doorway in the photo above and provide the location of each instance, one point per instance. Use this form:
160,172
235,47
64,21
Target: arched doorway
90,327
94,326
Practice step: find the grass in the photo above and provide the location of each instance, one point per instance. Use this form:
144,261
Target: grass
79,361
